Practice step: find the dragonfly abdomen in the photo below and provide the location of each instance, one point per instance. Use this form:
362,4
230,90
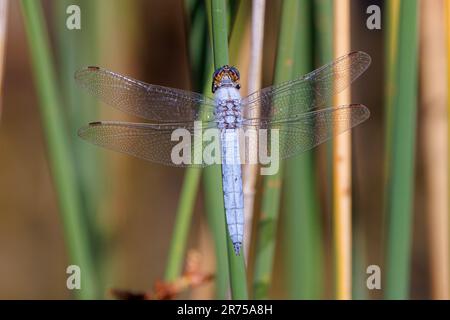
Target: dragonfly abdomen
229,120
232,187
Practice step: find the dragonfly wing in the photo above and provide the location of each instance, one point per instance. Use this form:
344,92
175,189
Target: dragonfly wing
303,132
148,101
167,144
313,90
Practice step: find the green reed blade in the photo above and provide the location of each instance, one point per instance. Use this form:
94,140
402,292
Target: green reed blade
266,230
401,161
58,145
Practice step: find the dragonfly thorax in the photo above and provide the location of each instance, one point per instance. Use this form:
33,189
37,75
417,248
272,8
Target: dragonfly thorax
228,108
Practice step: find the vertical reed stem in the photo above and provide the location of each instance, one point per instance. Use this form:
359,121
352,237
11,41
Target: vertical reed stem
58,143
401,162
324,47
219,26
3,25
303,248
182,224
342,194
434,138
266,232
250,171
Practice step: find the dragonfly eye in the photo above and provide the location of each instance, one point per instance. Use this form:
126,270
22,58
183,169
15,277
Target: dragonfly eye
231,73
235,77
217,77
216,73
235,72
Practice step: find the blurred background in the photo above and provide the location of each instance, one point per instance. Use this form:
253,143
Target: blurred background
62,199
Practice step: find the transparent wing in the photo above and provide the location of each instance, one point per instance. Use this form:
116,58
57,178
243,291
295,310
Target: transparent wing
313,90
144,100
303,132
160,143
184,145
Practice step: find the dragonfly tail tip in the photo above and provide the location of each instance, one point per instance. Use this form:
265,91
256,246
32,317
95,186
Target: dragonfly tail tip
237,248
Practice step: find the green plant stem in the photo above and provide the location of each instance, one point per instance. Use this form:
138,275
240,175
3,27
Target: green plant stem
182,224
212,184
77,49
390,90
303,245
196,13
237,31
219,33
401,179
58,144
359,264
197,42
391,44
214,209
324,48
266,230
212,176
212,181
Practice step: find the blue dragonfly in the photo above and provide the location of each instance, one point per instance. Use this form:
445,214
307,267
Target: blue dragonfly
296,112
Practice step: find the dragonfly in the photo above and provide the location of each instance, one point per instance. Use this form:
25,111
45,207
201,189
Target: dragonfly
298,110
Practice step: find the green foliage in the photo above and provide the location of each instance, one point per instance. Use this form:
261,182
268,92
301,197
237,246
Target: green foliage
401,160
59,148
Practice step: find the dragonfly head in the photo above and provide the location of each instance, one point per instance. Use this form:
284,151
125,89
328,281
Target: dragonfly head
226,76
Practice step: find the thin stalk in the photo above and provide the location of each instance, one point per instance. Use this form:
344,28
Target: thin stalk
342,197
323,19
401,179
219,30
113,205
304,250
324,48
58,144
196,47
219,33
3,25
215,212
212,181
237,31
250,171
359,276
434,142
182,224
391,47
447,36
76,49
266,229
392,18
